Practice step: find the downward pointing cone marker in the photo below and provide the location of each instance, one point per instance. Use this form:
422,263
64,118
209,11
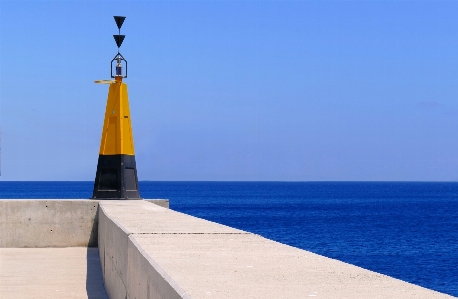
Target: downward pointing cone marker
119,39
119,20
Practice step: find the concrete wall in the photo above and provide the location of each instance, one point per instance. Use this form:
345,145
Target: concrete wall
150,252
51,223
48,223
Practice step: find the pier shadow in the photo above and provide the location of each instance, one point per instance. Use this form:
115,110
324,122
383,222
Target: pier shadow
94,279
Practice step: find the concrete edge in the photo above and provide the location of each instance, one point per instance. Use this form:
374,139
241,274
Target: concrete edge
119,225
155,266
160,202
128,272
113,255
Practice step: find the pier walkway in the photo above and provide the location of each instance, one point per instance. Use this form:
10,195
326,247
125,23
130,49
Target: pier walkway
72,272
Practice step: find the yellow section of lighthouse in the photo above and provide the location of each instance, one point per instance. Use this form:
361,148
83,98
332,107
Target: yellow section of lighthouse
117,135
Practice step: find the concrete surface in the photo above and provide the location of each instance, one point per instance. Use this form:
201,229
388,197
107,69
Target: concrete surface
119,219
51,223
48,223
43,273
151,252
160,202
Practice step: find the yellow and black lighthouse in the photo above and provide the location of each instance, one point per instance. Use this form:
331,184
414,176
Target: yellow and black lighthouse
116,176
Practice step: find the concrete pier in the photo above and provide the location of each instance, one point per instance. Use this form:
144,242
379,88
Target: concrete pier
43,273
151,252
147,251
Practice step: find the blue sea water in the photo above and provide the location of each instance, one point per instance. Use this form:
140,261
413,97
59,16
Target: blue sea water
406,230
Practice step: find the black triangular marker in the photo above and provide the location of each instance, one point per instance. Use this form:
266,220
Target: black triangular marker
119,20
118,39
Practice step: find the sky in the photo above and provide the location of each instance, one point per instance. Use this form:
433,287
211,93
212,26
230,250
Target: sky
234,90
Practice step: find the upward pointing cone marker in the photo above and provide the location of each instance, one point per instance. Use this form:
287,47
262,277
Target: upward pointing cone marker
116,176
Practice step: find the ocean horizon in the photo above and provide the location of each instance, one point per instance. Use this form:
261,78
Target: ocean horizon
407,230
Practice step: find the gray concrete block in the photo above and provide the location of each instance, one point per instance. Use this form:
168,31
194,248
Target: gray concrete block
173,255
146,279
102,232
114,284
113,242
145,218
250,266
48,223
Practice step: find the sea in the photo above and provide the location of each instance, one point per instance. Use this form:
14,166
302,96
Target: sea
407,230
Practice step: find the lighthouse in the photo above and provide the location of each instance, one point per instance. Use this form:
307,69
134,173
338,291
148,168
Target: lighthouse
116,176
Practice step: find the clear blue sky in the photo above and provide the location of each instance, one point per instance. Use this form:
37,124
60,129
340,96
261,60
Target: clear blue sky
235,90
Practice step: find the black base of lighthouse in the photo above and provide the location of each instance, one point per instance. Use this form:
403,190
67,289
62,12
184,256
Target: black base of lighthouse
116,178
